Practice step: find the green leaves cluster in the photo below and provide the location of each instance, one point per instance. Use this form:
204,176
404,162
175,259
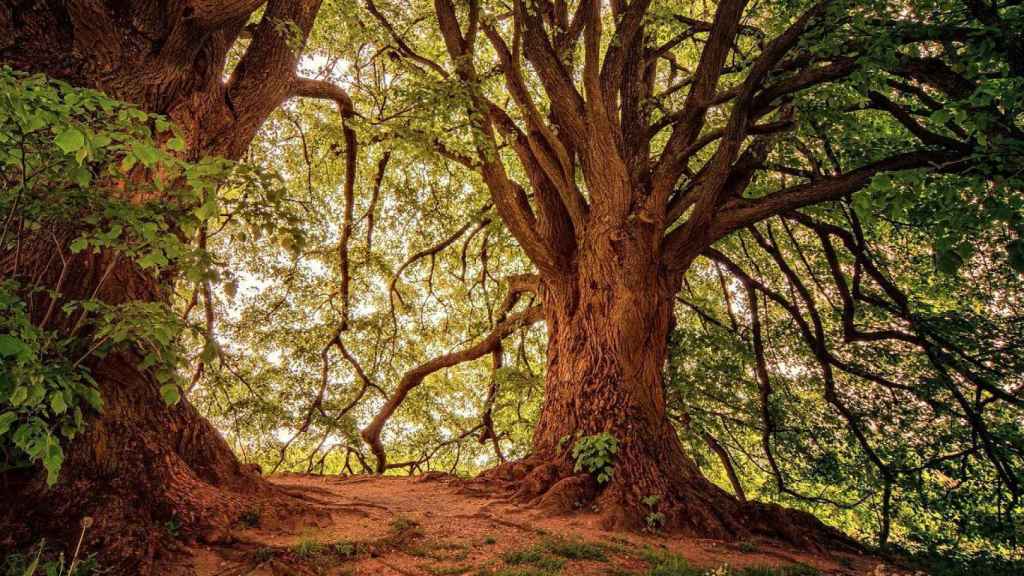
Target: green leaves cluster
596,455
89,186
42,390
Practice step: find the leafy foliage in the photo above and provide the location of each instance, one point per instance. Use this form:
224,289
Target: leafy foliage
90,183
596,454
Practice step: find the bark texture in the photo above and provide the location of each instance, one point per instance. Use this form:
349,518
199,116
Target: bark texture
608,327
141,465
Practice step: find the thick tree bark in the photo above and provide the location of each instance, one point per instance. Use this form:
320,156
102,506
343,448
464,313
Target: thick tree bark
141,464
608,326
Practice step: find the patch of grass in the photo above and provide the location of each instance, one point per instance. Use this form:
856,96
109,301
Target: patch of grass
449,570
347,550
451,551
307,548
754,571
747,547
490,540
401,532
574,549
311,549
39,560
403,524
983,564
663,563
794,570
519,572
534,557
263,554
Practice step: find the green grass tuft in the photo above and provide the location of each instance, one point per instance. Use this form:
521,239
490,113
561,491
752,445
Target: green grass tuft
574,549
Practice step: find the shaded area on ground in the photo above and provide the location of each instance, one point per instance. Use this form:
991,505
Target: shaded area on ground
429,525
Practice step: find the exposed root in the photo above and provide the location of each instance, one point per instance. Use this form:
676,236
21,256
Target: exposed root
568,494
151,477
687,504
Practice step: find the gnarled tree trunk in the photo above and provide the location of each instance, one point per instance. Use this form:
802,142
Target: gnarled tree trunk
142,466
608,327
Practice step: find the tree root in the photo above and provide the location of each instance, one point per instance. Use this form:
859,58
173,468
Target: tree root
687,505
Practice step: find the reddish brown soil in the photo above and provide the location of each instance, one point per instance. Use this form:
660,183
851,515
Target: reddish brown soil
432,525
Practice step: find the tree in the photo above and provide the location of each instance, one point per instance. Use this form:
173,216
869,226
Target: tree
620,141
140,463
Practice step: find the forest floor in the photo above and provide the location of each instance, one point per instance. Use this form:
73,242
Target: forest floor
430,525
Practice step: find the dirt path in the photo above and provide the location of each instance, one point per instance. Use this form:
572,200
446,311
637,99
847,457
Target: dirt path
429,526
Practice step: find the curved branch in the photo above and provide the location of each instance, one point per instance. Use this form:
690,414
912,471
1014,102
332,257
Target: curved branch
415,377
310,88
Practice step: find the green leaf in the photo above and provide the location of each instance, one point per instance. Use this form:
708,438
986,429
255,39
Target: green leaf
170,394
52,460
78,244
6,419
92,396
948,261
18,396
208,210
82,176
70,140
176,144
57,403
146,154
209,353
153,259
128,162
11,346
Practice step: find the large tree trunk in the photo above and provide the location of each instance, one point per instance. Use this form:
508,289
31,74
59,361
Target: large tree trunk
608,327
142,466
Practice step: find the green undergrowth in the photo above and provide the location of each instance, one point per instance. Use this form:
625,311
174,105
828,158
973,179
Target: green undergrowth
43,561
936,564
662,563
552,555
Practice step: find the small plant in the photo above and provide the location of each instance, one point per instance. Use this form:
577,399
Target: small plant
654,519
534,557
596,455
40,562
173,527
575,549
747,547
490,540
345,549
307,548
263,554
664,563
